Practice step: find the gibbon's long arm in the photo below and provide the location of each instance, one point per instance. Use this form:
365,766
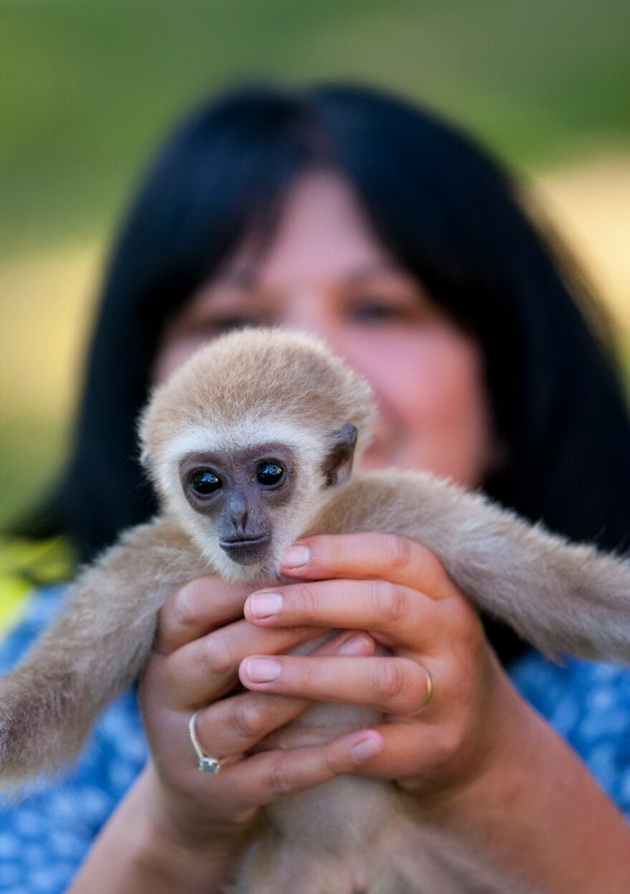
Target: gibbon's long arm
559,596
97,644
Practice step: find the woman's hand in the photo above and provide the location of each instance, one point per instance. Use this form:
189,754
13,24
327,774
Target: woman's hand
397,591
201,641
178,828
502,797
490,778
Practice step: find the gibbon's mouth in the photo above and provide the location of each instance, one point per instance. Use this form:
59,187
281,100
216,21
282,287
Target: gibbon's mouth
229,543
245,550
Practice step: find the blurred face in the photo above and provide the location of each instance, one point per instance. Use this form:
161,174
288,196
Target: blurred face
325,272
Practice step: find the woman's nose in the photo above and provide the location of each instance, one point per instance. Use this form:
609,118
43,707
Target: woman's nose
307,311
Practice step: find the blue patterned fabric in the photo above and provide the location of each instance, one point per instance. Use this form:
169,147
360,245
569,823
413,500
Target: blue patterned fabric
589,705
44,837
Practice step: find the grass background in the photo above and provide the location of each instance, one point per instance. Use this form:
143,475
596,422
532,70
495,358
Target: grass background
87,87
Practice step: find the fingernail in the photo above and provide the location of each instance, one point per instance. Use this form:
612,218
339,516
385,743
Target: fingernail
296,556
356,644
366,748
262,670
265,605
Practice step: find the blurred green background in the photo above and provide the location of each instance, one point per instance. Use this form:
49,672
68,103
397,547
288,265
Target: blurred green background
87,87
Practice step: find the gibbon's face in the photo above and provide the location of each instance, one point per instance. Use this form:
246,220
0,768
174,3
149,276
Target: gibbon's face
241,492
251,501
325,272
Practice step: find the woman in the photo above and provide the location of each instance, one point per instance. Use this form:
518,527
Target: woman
346,213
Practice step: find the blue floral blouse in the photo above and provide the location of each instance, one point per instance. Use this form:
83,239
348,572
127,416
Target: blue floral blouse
44,836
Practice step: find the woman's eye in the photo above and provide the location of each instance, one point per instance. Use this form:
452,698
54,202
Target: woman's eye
205,482
377,310
269,474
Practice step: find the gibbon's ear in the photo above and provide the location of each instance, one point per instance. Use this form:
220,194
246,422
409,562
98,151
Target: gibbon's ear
338,461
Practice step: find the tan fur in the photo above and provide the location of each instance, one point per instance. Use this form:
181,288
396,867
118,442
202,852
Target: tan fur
351,834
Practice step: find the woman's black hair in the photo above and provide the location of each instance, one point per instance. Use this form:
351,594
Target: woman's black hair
447,212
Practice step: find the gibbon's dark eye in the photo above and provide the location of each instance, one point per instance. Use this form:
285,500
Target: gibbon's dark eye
205,483
269,473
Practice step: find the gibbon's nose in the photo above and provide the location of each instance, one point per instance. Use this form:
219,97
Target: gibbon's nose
238,511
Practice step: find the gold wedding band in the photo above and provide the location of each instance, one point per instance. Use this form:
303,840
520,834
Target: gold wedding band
430,688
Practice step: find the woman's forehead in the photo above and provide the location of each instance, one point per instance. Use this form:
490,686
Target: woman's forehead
320,226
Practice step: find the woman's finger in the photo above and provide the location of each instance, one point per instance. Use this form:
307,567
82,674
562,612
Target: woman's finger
197,608
422,756
206,668
268,776
369,555
394,613
237,724
390,684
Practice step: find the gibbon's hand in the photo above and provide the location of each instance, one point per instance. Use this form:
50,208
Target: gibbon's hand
201,640
397,591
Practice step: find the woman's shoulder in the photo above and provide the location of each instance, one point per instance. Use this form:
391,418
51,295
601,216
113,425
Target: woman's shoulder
588,703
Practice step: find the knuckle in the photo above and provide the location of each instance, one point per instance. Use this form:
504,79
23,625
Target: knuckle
447,745
466,635
279,781
389,682
300,673
399,551
338,762
469,639
337,550
305,600
389,601
190,602
248,720
408,555
183,608
165,641
432,571
214,657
